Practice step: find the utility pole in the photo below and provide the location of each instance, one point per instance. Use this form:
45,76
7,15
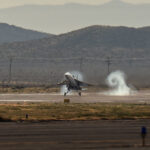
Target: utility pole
108,61
10,69
81,63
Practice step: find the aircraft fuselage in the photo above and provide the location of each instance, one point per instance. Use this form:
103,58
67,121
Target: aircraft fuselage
71,84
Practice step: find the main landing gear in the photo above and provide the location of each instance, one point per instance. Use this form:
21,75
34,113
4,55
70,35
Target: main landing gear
79,93
68,92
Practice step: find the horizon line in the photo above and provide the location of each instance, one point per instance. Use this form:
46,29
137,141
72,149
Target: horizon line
76,3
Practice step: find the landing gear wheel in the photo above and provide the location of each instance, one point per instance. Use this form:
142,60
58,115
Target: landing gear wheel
79,93
65,94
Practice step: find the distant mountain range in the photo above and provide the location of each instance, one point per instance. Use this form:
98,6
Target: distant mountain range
58,19
93,41
46,60
11,33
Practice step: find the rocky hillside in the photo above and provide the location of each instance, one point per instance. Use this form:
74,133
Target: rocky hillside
93,41
11,33
46,60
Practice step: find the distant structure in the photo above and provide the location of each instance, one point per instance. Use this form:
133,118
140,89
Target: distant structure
108,61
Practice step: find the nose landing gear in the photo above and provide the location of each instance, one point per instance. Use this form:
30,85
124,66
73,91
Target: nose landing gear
66,93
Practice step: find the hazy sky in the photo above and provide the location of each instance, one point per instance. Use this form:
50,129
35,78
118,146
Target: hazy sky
10,3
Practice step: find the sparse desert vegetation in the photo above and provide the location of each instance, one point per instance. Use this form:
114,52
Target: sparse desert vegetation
37,89
60,111
42,89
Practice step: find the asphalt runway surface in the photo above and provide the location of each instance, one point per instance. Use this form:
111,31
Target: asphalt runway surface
74,135
140,97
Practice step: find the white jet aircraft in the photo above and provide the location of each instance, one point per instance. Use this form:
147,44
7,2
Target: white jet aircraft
72,83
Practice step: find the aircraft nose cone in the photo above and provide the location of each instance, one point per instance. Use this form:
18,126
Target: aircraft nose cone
67,74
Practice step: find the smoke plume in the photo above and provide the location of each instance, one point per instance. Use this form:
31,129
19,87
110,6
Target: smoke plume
78,75
117,82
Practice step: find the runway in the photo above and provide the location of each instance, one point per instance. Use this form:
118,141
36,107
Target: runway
74,135
140,97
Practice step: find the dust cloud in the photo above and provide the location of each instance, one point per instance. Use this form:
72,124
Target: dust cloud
116,81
